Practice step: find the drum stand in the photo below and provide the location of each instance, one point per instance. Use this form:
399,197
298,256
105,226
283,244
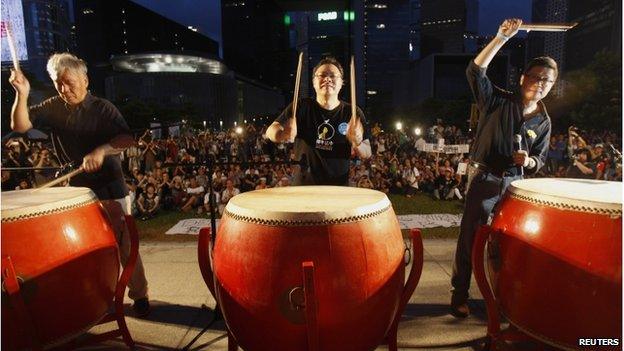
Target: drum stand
412,281
11,284
497,339
308,299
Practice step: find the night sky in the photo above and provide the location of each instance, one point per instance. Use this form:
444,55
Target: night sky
202,14
206,15
493,12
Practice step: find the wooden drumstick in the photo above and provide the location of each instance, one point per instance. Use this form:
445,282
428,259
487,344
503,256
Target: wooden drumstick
61,179
352,82
547,27
12,49
297,82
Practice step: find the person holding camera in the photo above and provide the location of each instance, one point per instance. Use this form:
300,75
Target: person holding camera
581,167
44,160
575,142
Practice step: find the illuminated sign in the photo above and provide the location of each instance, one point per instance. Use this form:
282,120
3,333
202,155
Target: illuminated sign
328,16
13,16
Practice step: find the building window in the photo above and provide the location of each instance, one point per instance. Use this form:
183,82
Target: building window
381,26
87,11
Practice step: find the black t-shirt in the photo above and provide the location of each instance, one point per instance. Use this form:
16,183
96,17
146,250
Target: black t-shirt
321,139
574,172
94,123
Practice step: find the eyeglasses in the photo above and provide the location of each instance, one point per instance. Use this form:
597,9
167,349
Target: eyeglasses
539,79
328,75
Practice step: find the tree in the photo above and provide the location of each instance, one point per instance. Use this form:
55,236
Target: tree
137,113
593,94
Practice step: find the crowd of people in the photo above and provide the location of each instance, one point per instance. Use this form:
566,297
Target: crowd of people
171,174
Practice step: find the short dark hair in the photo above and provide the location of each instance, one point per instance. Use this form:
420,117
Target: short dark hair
542,61
584,151
329,60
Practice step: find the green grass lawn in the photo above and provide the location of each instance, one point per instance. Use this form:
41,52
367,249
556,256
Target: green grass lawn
155,228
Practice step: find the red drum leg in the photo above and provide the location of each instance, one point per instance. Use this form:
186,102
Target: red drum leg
416,256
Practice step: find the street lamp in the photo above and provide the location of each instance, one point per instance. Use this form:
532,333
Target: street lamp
417,131
399,125
239,130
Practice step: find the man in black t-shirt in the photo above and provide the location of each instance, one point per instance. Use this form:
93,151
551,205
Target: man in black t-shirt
92,132
323,130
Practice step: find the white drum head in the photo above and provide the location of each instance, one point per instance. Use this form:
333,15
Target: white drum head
19,204
306,205
572,193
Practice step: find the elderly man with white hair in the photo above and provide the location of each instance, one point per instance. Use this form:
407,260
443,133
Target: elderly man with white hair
92,132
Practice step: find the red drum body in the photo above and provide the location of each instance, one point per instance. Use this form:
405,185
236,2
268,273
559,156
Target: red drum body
352,237
64,252
555,259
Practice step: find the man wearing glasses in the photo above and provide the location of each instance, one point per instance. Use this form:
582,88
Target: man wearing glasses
511,140
323,130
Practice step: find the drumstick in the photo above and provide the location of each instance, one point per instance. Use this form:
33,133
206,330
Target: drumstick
297,81
61,179
352,81
547,27
12,48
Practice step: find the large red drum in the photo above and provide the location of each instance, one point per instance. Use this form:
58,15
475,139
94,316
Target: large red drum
555,259
64,253
352,238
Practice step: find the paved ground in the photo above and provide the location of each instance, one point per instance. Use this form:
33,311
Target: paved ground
178,293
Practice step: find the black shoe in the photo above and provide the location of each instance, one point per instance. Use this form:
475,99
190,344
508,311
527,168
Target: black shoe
141,307
459,307
460,311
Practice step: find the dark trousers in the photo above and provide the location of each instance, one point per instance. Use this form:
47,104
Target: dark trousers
484,193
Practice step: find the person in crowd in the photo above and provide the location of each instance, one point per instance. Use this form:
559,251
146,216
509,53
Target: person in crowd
411,177
446,186
229,192
581,166
194,195
148,202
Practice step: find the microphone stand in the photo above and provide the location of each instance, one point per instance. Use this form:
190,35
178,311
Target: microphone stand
218,316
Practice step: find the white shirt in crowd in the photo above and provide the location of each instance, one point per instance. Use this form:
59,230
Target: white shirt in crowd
411,176
227,195
216,195
420,143
194,191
